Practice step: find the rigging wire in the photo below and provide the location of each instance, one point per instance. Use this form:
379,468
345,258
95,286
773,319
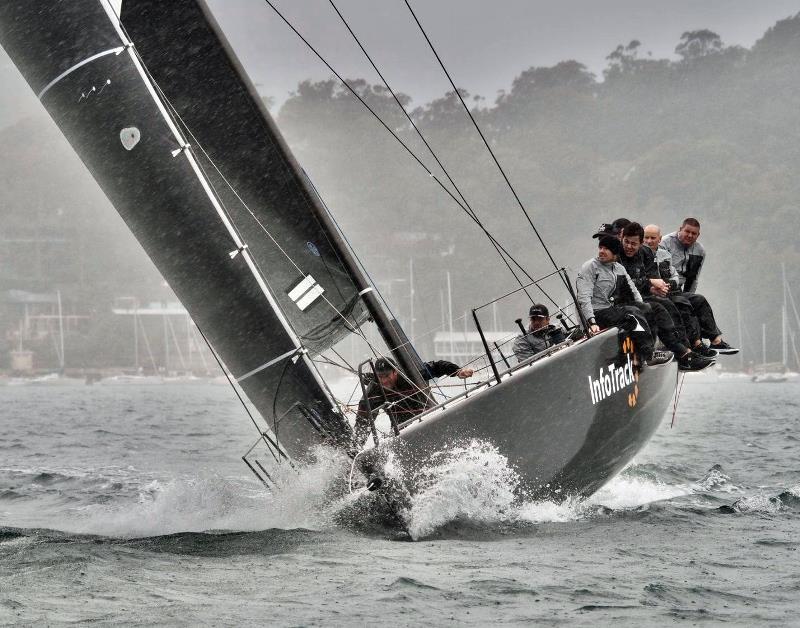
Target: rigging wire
355,328
195,142
172,111
678,388
404,145
471,211
186,128
485,142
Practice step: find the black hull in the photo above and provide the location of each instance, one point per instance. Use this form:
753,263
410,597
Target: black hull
560,438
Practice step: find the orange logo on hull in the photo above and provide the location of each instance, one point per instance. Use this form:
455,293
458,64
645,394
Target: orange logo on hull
629,347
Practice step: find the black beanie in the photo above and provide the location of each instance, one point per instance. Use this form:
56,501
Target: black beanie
612,243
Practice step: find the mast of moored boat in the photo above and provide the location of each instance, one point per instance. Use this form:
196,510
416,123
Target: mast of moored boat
784,335
739,330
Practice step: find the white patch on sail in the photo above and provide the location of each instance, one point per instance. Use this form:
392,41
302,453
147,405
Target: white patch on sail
310,297
129,136
300,289
306,292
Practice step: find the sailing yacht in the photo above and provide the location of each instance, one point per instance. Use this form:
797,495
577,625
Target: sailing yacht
154,101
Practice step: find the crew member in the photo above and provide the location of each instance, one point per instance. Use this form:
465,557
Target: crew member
541,334
396,395
688,256
687,253
608,298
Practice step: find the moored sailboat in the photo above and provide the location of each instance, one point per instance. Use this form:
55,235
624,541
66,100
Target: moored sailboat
163,115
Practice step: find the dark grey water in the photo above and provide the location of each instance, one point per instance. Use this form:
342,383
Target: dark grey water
129,505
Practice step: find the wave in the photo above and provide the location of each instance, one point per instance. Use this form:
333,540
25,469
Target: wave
474,485
210,543
473,488
469,489
197,504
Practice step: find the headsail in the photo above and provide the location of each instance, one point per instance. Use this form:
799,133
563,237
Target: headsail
92,83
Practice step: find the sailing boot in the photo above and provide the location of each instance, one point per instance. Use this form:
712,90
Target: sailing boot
724,348
660,357
694,362
704,350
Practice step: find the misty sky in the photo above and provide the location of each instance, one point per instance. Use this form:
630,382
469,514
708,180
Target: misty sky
484,44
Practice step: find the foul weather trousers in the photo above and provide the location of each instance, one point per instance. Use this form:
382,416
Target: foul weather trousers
626,317
705,315
671,330
690,323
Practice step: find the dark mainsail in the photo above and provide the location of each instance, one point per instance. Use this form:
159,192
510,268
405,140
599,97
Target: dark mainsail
238,288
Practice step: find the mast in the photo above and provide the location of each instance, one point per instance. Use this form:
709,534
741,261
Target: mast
411,296
763,343
136,337
450,317
784,335
61,360
739,330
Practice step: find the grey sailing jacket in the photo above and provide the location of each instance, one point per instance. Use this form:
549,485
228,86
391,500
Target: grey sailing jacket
687,260
602,285
537,341
666,269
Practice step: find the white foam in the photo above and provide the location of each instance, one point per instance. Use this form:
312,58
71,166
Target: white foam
717,481
473,482
627,491
193,504
758,503
468,483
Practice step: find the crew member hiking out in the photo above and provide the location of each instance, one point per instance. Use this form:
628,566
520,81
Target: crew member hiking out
668,273
603,286
393,393
688,256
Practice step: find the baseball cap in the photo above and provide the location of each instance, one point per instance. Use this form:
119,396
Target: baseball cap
606,229
538,311
385,365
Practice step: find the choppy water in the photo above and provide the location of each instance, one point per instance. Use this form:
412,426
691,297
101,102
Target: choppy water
130,505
